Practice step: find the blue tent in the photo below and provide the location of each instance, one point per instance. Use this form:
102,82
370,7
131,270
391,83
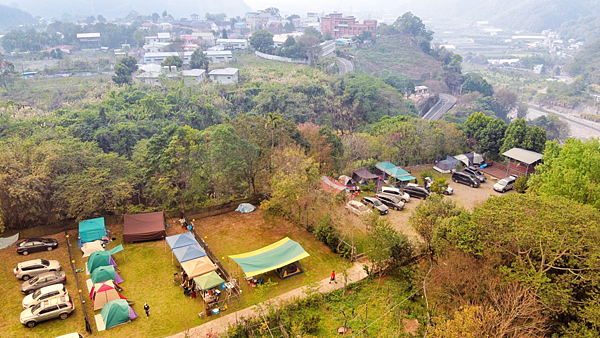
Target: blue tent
181,240
187,253
245,208
92,229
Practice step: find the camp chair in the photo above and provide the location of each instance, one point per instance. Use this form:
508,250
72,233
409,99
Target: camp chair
260,281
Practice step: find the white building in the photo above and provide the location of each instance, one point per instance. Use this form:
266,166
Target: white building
219,56
155,47
190,77
232,44
206,39
158,58
160,37
224,76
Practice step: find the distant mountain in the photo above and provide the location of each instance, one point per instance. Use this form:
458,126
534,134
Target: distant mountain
120,8
12,17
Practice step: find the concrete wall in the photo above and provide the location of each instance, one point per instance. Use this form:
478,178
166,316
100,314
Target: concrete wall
280,58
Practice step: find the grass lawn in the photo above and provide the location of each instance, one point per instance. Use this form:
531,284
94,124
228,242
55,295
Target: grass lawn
148,273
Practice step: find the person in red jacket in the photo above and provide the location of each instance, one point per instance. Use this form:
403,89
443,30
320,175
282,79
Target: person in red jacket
332,278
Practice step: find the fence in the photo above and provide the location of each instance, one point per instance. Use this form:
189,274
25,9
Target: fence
280,58
88,327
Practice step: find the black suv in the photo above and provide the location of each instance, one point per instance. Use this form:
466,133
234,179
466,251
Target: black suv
475,172
416,191
376,204
465,178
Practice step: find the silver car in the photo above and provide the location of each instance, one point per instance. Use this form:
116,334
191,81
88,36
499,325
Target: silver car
34,267
43,279
45,293
59,307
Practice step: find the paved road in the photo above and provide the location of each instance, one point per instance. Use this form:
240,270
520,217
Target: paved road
570,119
345,66
445,103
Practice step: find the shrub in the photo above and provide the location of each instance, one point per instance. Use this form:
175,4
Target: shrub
326,233
521,184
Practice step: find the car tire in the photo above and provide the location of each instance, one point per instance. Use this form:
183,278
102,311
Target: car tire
472,185
25,277
503,191
31,324
50,248
63,316
25,253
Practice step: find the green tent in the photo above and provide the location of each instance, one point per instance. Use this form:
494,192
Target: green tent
271,257
92,229
105,273
98,259
209,280
115,312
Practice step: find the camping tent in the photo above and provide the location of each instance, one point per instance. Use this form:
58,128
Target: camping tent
92,229
187,253
446,166
347,181
103,293
208,280
105,273
90,247
470,159
330,185
8,241
245,208
144,227
271,257
98,259
184,239
400,174
362,176
289,270
114,313
198,267
382,168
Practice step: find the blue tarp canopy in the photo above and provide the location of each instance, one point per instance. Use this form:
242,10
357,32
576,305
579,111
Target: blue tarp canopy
92,229
189,252
116,249
385,167
181,240
401,174
245,208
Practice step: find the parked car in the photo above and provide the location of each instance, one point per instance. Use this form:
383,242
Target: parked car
445,190
34,267
465,178
43,279
376,204
71,335
53,308
505,184
473,170
45,293
392,201
36,244
358,208
403,196
416,191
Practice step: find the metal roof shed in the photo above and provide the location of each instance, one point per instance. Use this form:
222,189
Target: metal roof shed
527,157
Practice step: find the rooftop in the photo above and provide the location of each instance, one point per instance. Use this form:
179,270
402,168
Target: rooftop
88,35
522,155
224,71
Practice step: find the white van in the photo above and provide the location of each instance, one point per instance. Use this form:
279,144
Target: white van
45,293
404,197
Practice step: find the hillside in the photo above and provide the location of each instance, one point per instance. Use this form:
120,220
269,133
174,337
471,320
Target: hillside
116,8
584,29
397,54
13,17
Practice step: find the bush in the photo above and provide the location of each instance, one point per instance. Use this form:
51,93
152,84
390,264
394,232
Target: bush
369,187
326,233
521,184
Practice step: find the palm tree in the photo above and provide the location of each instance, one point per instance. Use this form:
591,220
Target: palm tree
273,121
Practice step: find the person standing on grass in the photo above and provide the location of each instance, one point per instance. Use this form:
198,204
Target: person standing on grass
147,309
332,277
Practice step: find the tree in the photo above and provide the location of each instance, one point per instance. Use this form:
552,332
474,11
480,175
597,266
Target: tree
199,60
164,14
172,61
272,123
7,73
545,243
311,31
123,70
289,27
139,37
570,170
519,135
385,246
412,25
431,220
155,17
90,20
473,82
487,131
100,18
403,83
262,41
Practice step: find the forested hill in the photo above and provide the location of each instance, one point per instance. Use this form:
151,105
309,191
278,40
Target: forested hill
120,8
531,15
13,17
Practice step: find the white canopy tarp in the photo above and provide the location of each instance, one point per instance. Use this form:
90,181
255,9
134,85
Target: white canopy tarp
90,247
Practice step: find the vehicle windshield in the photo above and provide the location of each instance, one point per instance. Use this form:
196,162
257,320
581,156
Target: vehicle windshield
34,280
377,203
45,262
36,307
37,294
503,182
